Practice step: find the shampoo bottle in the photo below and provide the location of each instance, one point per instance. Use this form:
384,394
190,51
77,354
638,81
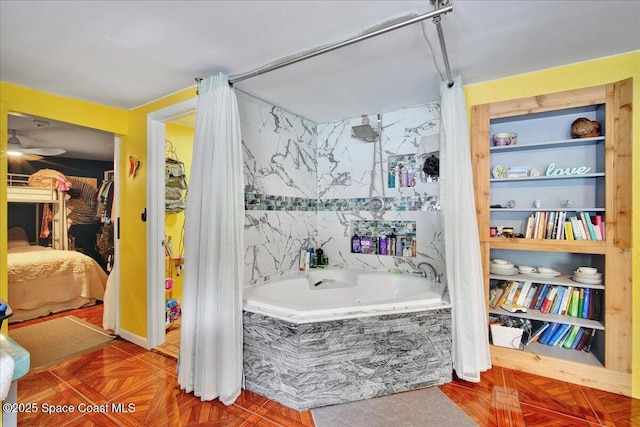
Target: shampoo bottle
382,246
355,244
391,244
399,246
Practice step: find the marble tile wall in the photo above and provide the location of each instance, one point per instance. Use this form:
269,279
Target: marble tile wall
306,366
305,182
280,188
346,170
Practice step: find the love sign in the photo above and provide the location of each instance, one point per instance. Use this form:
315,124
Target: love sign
553,171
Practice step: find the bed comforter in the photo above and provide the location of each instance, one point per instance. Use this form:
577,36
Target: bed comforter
44,281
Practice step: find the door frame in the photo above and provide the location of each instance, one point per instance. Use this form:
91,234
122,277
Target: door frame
156,136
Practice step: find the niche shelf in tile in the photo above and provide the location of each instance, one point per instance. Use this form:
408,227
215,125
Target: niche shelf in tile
402,171
391,238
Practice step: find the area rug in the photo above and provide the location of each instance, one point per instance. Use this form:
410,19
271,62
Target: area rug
420,408
56,340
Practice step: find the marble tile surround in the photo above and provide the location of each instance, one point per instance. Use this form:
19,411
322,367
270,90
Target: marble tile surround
305,182
310,365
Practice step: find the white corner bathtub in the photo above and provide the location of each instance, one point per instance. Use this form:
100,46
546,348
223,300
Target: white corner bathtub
343,294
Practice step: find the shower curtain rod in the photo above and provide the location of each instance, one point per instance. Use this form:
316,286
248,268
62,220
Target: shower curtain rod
436,14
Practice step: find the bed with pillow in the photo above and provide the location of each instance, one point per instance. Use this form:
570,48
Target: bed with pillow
44,280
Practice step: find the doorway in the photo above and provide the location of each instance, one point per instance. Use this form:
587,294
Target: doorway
85,156
156,142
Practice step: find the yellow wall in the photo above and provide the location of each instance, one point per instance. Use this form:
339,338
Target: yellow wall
585,74
181,138
133,232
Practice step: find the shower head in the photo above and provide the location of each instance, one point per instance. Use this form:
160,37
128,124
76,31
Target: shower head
364,131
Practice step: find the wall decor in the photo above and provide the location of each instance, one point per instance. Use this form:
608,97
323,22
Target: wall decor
553,171
517,172
134,166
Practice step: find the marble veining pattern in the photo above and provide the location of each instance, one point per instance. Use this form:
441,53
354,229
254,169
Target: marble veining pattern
317,364
305,182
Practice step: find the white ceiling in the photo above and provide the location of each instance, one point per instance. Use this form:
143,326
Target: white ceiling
128,53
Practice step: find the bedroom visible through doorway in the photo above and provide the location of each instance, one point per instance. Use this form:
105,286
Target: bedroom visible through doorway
54,202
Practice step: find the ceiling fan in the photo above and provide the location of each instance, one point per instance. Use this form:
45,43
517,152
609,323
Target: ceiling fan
16,149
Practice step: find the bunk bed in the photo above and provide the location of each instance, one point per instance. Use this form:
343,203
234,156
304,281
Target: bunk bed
44,280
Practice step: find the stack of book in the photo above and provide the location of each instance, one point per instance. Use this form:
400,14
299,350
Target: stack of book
561,335
585,303
560,226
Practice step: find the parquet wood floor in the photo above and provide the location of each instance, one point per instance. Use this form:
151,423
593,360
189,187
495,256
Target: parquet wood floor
145,383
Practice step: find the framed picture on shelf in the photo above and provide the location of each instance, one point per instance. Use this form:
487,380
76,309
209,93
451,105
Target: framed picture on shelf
517,172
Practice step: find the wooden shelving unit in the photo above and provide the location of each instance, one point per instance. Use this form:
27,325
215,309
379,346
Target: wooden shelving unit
605,189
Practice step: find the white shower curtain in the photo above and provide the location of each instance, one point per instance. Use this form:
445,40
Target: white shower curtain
210,362
464,269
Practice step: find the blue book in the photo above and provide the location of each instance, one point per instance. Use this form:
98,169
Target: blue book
560,332
541,296
546,335
557,300
585,305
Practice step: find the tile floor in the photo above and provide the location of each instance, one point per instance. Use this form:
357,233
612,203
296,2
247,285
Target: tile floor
146,383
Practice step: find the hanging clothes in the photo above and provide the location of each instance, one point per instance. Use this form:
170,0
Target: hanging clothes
47,217
175,184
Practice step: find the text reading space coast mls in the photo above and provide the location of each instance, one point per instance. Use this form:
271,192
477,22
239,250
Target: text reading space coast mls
67,409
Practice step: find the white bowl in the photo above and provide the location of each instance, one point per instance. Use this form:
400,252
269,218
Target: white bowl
586,275
587,270
545,270
500,262
503,266
526,269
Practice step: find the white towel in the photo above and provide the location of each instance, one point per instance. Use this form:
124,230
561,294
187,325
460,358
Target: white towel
7,364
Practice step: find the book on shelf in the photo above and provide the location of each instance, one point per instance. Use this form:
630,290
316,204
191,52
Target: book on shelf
585,337
548,300
546,335
568,230
528,227
590,340
526,286
566,297
586,303
513,288
571,336
573,304
558,225
583,228
540,225
559,333
507,288
495,294
595,304
579,335
551,216
564,337
580,303
575,226
530,295
557,300
561,227
541,296
537,328
599,223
